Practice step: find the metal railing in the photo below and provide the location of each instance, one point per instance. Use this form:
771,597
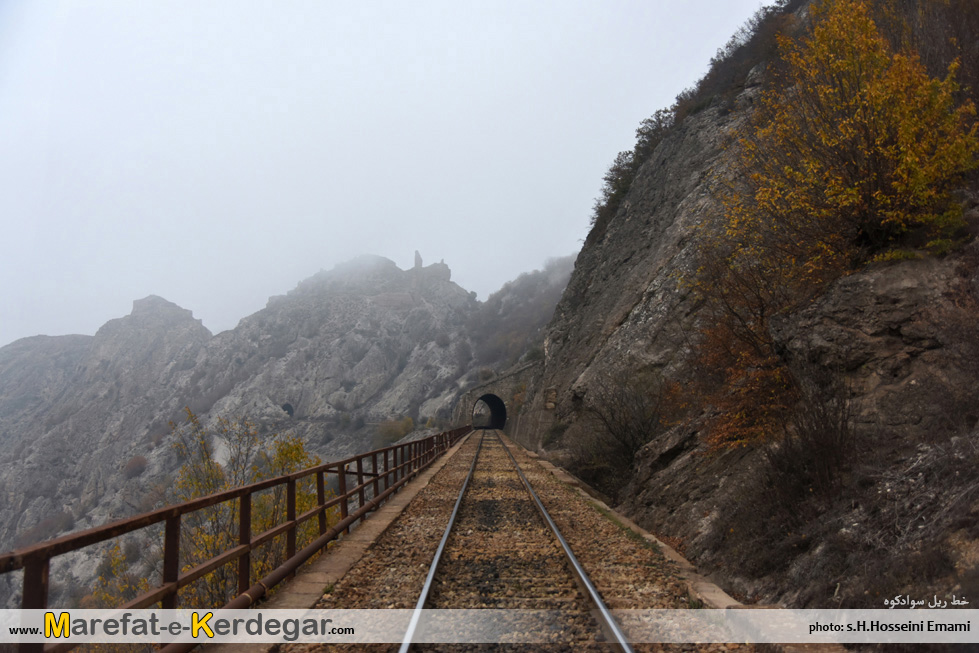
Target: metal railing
389,469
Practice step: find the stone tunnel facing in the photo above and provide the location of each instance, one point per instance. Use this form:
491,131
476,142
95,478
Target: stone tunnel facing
496,419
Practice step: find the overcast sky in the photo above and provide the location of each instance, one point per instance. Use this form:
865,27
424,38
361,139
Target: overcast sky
216,153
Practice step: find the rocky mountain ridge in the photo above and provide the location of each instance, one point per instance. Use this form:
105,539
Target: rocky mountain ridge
84,420
890,349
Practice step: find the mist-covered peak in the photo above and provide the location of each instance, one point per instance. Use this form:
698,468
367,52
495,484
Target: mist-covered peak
154,314
154,305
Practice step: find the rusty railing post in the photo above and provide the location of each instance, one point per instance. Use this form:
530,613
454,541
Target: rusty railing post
387,469
360,483
377,479
245,537
171,559
35,595
344,510
321,499
291,516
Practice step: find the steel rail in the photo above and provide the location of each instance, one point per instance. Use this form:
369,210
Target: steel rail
609,623
416,615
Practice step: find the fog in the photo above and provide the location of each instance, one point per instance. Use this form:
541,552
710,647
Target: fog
216,153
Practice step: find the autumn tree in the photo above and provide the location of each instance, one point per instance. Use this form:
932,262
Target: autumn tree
229,455
855,150
116,582
939,31
212,531
852,155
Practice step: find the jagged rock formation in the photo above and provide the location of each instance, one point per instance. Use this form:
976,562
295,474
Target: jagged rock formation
74,408
346,349
903,337
899,338
625,305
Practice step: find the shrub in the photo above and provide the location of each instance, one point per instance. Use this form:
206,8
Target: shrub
392,430
554,434
629,413
815,449
45,529
136,466
622,416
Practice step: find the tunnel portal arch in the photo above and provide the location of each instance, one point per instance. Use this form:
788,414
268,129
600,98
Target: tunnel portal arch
497,417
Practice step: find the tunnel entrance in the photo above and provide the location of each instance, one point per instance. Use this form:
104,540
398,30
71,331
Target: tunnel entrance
489,412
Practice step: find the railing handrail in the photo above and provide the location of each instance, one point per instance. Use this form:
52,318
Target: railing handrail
414,455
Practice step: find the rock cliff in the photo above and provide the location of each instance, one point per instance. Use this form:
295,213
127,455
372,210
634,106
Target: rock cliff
347,348
898,340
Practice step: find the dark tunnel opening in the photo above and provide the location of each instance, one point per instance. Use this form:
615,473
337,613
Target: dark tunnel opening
496,417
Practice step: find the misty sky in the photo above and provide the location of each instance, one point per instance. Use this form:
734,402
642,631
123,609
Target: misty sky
216,153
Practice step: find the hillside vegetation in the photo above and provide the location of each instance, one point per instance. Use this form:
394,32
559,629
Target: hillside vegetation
351,359
792,250
510,323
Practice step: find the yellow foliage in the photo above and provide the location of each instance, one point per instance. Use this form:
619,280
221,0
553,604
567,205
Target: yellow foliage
206,533
116,584
854,150
212,531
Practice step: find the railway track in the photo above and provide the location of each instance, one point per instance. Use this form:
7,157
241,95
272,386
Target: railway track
500,557
502,550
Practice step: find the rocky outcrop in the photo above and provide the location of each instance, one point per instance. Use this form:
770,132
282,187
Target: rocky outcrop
626,305
74,409
900,338
361,341
905,341
904,337
346,349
